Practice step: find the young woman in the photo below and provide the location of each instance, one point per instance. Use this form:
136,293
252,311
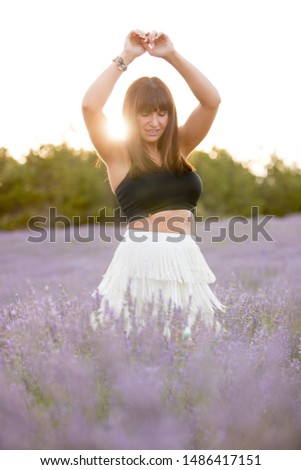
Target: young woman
158,260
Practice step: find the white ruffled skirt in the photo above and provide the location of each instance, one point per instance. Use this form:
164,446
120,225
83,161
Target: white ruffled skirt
162,269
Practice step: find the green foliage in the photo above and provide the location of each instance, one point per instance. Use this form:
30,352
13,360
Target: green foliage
281,189
67,179
53,176
228,187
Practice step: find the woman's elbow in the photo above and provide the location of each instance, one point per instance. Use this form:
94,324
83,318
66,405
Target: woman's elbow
86,107
216,101
213,100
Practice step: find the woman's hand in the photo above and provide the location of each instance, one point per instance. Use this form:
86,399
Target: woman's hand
158,44
134,43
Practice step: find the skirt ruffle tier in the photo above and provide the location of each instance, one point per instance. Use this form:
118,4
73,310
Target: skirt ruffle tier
164,269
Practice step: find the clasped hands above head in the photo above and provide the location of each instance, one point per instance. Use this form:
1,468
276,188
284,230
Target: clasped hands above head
156,44
147,38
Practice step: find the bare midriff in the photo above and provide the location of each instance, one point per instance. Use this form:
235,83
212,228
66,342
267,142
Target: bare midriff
179,221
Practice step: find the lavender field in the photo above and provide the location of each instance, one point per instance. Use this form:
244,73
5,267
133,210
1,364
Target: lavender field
65,386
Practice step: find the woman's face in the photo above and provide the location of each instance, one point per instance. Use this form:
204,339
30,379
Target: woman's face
152,125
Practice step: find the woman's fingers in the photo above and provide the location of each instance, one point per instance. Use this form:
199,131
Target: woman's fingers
152,38
138,33
161,35
158,37
149,39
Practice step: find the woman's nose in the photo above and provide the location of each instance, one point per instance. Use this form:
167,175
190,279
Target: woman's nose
154,119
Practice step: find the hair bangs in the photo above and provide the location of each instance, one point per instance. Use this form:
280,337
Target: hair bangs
152,98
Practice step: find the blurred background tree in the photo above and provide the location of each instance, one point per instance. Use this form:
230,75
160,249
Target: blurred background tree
67,179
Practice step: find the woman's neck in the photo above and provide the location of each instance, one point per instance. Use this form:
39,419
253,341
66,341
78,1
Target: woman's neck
154,153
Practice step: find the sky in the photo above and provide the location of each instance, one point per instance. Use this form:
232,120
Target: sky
52,50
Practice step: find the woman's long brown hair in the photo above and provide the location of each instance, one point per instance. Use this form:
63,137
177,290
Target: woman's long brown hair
148,94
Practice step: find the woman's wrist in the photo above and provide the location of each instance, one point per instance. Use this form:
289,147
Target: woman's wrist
127,57
171,57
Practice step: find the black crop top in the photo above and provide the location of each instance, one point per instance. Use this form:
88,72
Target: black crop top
154,192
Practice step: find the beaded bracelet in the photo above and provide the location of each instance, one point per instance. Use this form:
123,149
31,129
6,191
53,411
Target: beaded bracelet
120,63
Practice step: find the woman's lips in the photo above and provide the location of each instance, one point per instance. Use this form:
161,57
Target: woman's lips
152,132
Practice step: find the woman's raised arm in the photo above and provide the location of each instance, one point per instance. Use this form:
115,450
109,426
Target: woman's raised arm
200,120
99,92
